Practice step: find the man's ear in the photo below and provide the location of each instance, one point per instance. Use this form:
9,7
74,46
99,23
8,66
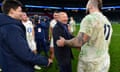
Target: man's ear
11,11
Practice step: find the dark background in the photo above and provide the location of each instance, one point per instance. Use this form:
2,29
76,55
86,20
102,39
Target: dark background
112,13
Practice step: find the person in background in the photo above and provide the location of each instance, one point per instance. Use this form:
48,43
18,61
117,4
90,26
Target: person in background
46,32
46,21
40,36
52,25
93,39
16,55
30,35
64,54
29,32
31,18
72,25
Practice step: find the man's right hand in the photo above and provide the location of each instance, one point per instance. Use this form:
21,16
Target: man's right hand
60,42
50,61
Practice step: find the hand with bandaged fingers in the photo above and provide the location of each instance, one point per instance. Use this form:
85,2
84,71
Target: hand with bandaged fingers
60,42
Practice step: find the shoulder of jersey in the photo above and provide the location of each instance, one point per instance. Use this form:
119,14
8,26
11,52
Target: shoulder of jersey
87,17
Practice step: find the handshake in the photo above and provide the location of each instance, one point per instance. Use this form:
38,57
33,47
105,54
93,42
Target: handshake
61,42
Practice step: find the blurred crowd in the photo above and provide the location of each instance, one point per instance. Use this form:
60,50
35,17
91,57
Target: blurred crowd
40,29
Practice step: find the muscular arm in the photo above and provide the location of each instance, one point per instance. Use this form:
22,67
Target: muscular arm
78,41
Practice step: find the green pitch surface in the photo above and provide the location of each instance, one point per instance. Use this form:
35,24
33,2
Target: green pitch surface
114,53
115,49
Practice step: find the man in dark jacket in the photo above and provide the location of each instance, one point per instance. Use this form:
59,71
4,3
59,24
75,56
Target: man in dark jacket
16,55
63,55
40,37
46,30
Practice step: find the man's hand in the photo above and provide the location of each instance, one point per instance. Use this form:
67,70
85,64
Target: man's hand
60,42
50,61
75,42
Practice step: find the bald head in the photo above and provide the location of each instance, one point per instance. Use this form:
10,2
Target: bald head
63,17
94,4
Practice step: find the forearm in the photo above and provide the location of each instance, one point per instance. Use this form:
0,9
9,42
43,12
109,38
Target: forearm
73,43
78,41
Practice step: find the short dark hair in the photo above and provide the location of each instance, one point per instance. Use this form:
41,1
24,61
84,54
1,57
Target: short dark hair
10,4
60,11
55,12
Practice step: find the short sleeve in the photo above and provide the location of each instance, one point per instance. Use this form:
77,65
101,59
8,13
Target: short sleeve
86,26
52,23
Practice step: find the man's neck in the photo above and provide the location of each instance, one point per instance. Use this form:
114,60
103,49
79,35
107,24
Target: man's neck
94,10
24,21
61,22
12,16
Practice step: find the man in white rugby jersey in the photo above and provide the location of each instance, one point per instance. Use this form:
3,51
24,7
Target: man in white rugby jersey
53,22
72,25
30,35
93,40
29,32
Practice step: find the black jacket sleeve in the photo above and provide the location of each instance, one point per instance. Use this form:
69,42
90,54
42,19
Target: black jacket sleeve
43,25
17,43
56,34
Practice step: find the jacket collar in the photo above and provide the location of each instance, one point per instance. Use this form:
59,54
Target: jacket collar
61,24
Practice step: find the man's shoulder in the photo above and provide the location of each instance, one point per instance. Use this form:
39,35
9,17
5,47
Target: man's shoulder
53,21
13,27
29,22
56,27
88,17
